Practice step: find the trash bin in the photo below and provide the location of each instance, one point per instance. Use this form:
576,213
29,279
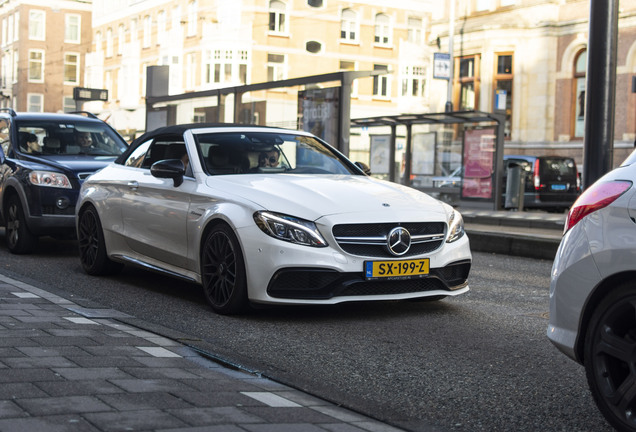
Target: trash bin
514,187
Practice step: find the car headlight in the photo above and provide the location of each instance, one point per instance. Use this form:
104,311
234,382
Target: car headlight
289,228
49,179
455,226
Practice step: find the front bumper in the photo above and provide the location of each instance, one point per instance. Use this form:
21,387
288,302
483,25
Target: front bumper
286,273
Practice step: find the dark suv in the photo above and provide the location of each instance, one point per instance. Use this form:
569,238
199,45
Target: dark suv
43,162
550,182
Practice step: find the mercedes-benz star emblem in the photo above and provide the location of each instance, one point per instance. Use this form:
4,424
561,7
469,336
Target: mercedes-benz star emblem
399,241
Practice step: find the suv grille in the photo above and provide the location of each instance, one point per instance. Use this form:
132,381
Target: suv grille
371,239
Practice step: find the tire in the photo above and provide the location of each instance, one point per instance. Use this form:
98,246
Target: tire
92,247
610,357
223,271
20,240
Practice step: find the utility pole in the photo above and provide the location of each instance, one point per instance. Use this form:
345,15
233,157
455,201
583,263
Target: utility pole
451,37
600,90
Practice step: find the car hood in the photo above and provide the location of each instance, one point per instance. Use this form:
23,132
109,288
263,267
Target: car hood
312,197
71,163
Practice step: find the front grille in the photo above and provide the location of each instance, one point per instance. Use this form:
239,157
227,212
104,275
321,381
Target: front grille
53,210
322,284
370,239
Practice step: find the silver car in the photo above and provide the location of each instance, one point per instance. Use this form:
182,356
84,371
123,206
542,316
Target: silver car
593,292
267,215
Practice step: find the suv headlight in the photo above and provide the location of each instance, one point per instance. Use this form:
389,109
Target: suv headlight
49,179
289,228
455,226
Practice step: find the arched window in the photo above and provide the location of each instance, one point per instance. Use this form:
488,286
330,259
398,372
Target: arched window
580,67
348,25
277,16
382,29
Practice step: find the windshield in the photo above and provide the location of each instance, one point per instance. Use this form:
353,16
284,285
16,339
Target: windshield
68,138
272,153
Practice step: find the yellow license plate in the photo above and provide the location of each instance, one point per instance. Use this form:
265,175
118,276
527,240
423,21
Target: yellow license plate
396,269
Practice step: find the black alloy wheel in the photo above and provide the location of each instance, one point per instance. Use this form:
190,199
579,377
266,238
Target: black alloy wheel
92,247
610,357
19,239
223,271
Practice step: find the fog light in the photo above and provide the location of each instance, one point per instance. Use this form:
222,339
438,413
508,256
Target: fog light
62,203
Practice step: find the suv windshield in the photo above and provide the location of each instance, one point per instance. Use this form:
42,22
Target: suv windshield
68,138
264,152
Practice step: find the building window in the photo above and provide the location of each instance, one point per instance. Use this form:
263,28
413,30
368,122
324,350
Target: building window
37,29
109,42
243,59
349,25
483,5
382,29
161,27
275,67
580,68
72,28
36,66
414,30
15,66
381,82
121,38
98,42
350,66
414,81
71,68
35,102
467,82
502,99
277,17
192,18
10,29
147,31
68,104
133,30
314,3
16,28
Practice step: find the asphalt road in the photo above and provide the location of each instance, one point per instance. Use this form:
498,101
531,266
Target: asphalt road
480,362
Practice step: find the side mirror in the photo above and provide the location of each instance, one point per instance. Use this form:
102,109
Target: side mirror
169,168
364,167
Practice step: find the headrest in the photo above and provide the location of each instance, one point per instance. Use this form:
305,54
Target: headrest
51,142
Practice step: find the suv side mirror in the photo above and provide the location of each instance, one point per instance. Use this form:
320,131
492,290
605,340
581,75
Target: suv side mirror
169,168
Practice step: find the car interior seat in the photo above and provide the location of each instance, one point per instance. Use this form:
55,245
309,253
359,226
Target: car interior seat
51,145
220,160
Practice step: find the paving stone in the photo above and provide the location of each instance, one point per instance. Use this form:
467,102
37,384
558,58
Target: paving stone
162,362
91,373
103,362
62,405
20,390
217,428
47,424
150,385
16,341
212,416
38,362
133,420
216,398
73,388
151,373
27,375
282,427
289,415
57,341
67,351
10,352
9,409
143,401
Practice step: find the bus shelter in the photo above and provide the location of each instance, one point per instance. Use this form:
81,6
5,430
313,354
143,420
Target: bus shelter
457,156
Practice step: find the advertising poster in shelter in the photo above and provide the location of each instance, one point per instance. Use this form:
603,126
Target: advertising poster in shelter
479,152
423,154
380,151
318,113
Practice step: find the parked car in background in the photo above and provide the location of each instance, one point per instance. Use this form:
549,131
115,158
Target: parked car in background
550,182
267,215
44,159
593,292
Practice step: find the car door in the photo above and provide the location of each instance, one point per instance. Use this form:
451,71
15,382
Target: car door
154,211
